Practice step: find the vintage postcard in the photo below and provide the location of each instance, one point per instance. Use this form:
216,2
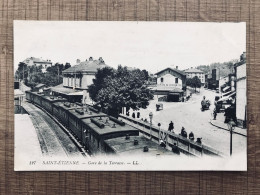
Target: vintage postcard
140,96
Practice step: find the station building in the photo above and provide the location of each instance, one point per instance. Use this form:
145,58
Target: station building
170,81
78,78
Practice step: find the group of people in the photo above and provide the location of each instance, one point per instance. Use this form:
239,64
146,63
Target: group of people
183,132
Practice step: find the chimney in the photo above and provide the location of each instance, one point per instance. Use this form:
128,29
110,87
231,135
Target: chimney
101,61
176,67
90,58
78,61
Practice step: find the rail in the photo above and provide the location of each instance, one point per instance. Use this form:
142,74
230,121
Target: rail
186,146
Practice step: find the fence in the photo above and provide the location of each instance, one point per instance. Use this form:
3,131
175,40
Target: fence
186,146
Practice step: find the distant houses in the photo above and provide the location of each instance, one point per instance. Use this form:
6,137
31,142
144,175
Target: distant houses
192,72
32,61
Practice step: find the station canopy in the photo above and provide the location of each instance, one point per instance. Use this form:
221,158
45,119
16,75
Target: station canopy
66,91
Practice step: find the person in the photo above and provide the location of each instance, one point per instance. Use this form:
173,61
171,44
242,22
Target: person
203,103
133,115
183,132
199,140
171,126
175,149
191,136
162,144
215,114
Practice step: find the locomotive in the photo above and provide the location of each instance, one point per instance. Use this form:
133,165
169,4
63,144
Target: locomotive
96,131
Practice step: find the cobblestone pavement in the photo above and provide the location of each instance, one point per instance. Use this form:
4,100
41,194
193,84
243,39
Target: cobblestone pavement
53,140
189,115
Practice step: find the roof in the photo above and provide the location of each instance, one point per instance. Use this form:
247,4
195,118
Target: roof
86,114
18,92
193,70
122,146
86,66
162,88
173,69
109,127
37,60
39,85
66,91
176,90
54,99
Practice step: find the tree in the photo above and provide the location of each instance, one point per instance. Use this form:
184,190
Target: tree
194,82
67,65
115,89
22,71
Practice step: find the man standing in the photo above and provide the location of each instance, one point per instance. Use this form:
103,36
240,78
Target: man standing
171,126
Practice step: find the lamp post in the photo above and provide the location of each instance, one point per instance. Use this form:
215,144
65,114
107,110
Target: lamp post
231,126
151,118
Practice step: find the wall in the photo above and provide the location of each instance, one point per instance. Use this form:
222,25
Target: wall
169,80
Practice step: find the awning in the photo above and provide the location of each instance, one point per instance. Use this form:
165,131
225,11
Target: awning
226,88
226,97
228,93
18,93
66,91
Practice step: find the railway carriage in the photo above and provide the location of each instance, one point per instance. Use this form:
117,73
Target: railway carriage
77,115
36,98
98,129
49,101
98,132
134,145
62,113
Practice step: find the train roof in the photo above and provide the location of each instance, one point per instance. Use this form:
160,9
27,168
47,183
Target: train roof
81,113
123,146
53,99
104,125
68,106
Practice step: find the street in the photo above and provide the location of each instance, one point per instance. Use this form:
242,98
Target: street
189,115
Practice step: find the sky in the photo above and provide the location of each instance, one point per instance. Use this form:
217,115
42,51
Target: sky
146,45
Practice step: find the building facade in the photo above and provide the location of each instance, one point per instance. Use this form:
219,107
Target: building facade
32,61
172,78
213,79
241,96
78,78
192,72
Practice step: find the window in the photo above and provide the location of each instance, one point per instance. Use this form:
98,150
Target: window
161,80
176,80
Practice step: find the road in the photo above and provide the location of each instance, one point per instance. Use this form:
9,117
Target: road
189,116
53,140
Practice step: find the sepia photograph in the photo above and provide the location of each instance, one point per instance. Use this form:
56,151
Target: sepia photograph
137,96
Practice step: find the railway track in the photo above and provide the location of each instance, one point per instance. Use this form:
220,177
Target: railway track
54,138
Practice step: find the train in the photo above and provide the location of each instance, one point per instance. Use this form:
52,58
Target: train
96,131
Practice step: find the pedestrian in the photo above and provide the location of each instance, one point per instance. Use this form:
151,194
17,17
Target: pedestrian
191,136
127,113
133,115
138,114
215,114
183,132
175,149
171,126
162,144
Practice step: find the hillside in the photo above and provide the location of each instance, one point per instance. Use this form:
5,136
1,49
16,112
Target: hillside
225,68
